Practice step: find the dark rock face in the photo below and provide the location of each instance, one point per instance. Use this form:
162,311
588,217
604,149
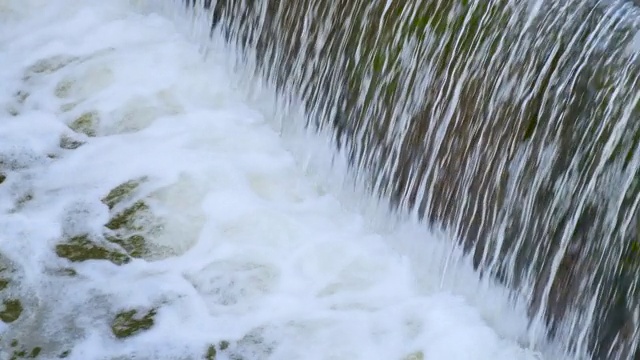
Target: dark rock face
515,127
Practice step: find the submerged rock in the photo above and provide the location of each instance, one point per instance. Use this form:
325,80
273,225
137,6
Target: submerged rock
12,310
130,323
69,143
63,89
86,123
122,192
135,245
49,65
81,248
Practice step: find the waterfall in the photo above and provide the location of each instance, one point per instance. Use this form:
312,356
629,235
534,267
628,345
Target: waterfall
512,123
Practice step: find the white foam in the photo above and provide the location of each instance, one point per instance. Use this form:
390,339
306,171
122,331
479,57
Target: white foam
266,257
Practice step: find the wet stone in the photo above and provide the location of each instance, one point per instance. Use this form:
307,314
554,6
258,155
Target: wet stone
130,323
63,89
418,355
121,192
12,310
23,353
85,124
135,245
50,64
80,248
69,143
127,218
21,96
68,107
3,283
211,353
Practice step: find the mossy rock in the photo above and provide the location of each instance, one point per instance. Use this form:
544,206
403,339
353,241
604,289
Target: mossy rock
12,310
5,271
81,248
68,143
19,351
135,245
212,351
63,89
86,123
50,65
122,192
126,219
130,323
418,355
68,107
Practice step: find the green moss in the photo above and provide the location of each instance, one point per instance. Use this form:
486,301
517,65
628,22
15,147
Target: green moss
418,355
63,89
80,248
14,343
68,107
21,353
126,218
4,283
127,324
3,177
12,310
64,354
223,345
136,245
86,123
69,143
35,352
211,353
50,64
121,192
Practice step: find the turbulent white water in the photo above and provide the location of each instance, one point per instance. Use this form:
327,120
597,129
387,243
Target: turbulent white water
259,255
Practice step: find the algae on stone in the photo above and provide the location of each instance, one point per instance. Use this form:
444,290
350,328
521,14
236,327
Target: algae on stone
126,324
68,143
12,310
85,124
135,245
22,353
63,89
211,353
121,192
4,283
127,218
418,355
80,248
50,64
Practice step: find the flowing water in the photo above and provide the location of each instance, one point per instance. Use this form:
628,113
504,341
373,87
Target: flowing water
290,179
160,202
512,124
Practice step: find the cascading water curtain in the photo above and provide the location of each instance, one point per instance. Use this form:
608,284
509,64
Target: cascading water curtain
514,123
